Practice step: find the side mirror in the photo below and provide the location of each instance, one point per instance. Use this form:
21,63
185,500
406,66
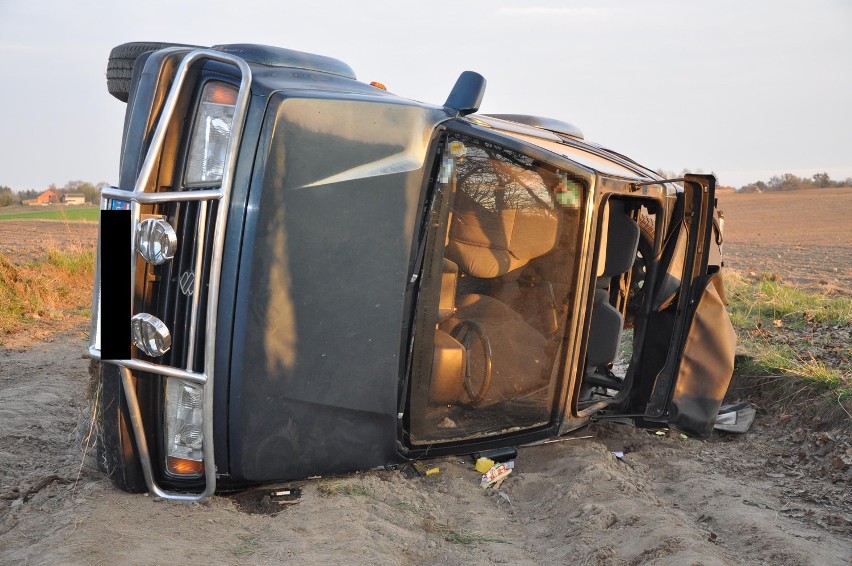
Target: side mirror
467,93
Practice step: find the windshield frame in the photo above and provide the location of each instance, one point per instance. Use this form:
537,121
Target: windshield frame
574,332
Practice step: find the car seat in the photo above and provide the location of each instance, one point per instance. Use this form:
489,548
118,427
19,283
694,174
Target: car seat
504,357
619,242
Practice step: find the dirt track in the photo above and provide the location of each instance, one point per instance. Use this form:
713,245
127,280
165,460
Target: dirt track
778,495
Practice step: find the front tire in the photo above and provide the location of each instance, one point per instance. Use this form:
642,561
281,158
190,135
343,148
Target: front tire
117,455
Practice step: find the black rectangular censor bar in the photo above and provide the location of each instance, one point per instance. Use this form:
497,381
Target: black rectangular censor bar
115,246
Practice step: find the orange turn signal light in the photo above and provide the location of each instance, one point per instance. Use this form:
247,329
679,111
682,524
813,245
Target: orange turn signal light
184,467
378,85
219,93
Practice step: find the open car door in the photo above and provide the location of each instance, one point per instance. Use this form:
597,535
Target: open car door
684,341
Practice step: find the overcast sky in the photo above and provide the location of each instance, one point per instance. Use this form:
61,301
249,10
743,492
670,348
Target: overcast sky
746,89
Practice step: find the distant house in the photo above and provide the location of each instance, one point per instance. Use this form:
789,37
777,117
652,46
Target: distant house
47,197
74,199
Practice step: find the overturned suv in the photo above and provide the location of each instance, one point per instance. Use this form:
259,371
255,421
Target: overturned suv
301,274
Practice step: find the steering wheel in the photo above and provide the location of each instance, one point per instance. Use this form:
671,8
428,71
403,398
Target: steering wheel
463,333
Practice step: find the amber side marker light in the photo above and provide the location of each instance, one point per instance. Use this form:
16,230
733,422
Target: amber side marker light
184,467
378,85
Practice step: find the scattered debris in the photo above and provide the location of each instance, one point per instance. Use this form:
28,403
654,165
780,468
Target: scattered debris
669,433
498,454
286,496
619,455
736,418
267,500
483,465
567,439
496,475
411,471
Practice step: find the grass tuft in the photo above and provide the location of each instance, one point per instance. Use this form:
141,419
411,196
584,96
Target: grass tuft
329,488
247,546
795,344
458,535
51,287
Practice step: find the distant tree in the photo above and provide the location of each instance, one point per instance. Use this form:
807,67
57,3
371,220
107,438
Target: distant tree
28,194
822,180
7,197
775,182
88,190
756,187
788,182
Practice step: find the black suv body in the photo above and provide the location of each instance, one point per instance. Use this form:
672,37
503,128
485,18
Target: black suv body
301,274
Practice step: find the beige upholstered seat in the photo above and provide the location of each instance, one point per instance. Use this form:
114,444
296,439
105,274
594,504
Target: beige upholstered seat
490,242
504,356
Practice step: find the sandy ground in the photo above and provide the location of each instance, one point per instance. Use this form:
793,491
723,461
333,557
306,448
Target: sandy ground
781,494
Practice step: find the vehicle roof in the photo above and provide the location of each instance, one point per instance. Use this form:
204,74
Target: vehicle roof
328,74
585,153
270,56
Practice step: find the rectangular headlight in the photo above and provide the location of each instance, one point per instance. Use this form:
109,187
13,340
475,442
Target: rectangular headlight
184,436
211,134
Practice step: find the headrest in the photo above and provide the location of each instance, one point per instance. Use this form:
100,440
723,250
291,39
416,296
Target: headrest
489,237
620,241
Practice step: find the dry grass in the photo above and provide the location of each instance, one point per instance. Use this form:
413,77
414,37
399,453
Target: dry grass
51,287
458,535
329,488
795,345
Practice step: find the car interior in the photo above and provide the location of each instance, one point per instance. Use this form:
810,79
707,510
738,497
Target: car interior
506,288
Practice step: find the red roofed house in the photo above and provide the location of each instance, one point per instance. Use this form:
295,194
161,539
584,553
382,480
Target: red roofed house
47,197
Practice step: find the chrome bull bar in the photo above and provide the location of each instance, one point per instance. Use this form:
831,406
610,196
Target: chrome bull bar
139,196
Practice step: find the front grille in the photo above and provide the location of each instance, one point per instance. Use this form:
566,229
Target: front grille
177,291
